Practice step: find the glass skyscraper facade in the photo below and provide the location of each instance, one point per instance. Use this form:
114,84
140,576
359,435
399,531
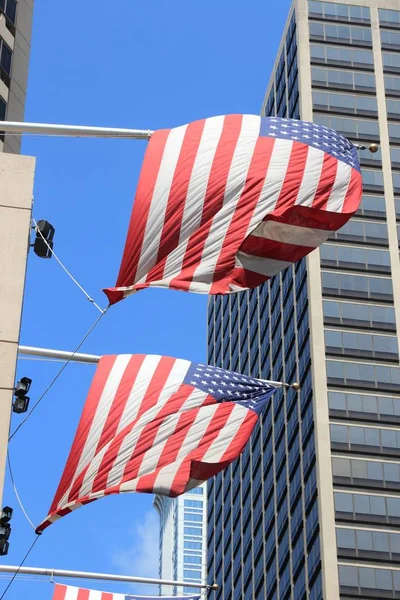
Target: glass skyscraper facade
311,509
182,541
15,40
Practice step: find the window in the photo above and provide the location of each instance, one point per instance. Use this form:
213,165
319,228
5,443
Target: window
344,103
9,8
351,128
361,344
359,315
372,206
392,85
367,473
343,79
358,36
5,62
336,55
391,62
390,40
363,232
360,259
389,17
360,406
356,286
338,12
368,581
382,441
365,375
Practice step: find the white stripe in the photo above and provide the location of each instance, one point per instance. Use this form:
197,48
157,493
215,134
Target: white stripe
273,182
95,595
311,177
236,181
71,593
196,194
258,264
226,435
192,440
174,380
291,234
340,187
159,201
139,389
100,417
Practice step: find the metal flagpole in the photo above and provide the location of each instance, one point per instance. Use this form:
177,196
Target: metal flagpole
93,358
74,130
102,576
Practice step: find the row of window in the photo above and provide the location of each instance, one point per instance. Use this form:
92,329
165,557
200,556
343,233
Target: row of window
365,375
361,259
343,79
357,286
361,344
350,437
389,17
368,473
353,57
359,105
345,34
368,578
342,12
367,507
374,206
391,61
390,39
362,541
381,407
355,314
351,128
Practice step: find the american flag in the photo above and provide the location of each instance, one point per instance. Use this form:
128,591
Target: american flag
225,203
159,425
68,592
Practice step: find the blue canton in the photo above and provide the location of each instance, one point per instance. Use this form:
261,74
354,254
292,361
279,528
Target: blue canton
197,597
317,136
228,386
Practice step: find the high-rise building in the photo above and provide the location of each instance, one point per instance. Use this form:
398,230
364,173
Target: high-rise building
15,40
312,507
183,539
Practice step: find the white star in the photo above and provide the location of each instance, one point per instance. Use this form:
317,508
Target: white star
193,382
221,391
237,393
204,382
307,137
196,375
211,390
229,392
273,127
223,383
207,375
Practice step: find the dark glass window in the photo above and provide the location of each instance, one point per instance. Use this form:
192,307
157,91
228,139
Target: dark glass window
5,61
337,55
344,79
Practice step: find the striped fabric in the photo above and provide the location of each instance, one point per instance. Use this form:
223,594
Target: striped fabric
68,592
225,203
159,425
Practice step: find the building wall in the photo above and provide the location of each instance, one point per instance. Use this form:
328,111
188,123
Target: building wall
331,322
15,41
183,538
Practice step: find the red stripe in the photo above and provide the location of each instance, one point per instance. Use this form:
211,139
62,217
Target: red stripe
59,592
214,199
217,423
140,212
354,193
83,594
148,435
247,279
107,596
120,399
259,246
177,198
326,182
152,395
96,389
293,178
242,216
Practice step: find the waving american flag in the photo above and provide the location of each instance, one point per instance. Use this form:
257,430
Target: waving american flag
159,425
225,203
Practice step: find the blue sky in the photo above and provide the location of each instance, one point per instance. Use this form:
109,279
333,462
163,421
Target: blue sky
150,64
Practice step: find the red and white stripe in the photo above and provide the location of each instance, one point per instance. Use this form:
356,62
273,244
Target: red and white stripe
142,429
206,192
68,592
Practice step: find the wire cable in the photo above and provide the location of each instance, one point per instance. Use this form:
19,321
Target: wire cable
52,382
17,494
88,297
20,565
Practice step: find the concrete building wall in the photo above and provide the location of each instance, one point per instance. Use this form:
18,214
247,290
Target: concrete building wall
16,192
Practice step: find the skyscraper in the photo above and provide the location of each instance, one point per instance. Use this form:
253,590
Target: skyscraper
312,507
15,39
183,536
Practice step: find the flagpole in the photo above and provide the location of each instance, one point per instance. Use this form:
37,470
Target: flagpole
17,127
49,353
100,576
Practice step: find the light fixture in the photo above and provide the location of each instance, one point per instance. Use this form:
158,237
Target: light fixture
45,230
5,529
21,402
